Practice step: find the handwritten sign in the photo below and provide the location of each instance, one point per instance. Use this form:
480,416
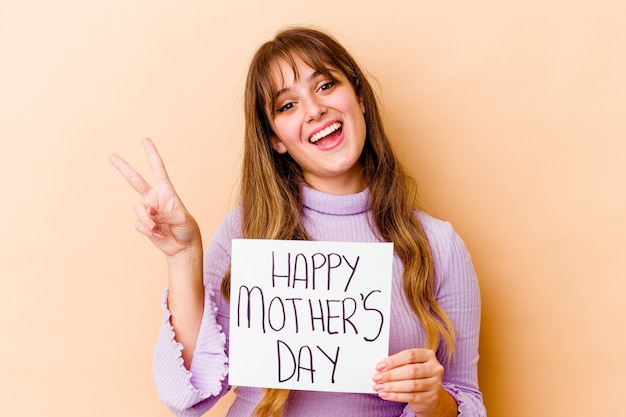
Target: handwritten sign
308,315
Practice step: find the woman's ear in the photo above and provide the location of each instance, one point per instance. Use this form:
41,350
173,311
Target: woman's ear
362,103
277,144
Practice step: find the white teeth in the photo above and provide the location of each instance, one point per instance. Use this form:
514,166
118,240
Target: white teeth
325,132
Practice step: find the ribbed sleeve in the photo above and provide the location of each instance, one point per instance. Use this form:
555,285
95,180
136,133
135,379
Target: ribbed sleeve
457,292
190,393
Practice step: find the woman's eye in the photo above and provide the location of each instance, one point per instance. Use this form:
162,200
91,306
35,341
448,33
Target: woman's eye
285,107
327,85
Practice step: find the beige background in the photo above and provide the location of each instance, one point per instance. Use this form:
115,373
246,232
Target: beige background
510,113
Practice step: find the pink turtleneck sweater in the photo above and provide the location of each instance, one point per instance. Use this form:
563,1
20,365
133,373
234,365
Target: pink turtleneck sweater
332,218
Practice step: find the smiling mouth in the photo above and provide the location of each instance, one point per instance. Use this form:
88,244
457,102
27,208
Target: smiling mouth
325,132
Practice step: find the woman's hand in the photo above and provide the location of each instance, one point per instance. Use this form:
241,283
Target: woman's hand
414,376
162,217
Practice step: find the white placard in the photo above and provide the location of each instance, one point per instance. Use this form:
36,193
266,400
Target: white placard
308,315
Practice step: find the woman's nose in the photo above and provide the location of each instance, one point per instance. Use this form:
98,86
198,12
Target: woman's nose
314,108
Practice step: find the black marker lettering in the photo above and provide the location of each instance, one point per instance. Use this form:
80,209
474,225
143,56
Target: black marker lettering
295,310
249,306
320,317
276,275
281,312
356,262
382,318
330,316
348,316
334,362
317,265
310,368
332,266
304,264
280,343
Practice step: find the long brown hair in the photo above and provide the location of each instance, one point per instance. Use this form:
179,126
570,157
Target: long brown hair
271,182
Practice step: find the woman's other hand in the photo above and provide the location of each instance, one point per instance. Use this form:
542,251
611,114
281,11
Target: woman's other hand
414,376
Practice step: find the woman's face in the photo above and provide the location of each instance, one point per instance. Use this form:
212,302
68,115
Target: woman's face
320,122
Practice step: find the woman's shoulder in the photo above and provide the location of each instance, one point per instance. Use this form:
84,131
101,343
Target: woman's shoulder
445,243
230,227
433,226
233,216
442,237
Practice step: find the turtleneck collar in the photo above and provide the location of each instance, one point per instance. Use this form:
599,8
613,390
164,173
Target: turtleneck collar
338,205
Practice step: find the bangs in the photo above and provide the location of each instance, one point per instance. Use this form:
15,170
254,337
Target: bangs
268,70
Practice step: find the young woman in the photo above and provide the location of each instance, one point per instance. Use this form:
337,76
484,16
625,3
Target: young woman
317,165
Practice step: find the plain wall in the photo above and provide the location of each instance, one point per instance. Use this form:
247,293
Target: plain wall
511,114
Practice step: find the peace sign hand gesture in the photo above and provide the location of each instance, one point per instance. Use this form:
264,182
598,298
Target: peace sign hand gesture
162,217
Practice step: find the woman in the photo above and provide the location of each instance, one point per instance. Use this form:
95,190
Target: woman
317,165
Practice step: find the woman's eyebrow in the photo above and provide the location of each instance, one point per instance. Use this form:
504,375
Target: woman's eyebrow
310,78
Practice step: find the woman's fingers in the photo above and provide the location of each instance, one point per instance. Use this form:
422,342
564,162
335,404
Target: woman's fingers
412,375
408,385
409,372
132,177
156,163
409,364
404,357
143,215
161,216
135,179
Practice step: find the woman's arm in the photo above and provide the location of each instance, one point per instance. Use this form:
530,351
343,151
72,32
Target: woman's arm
193,390
163,218
416,376
186,298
